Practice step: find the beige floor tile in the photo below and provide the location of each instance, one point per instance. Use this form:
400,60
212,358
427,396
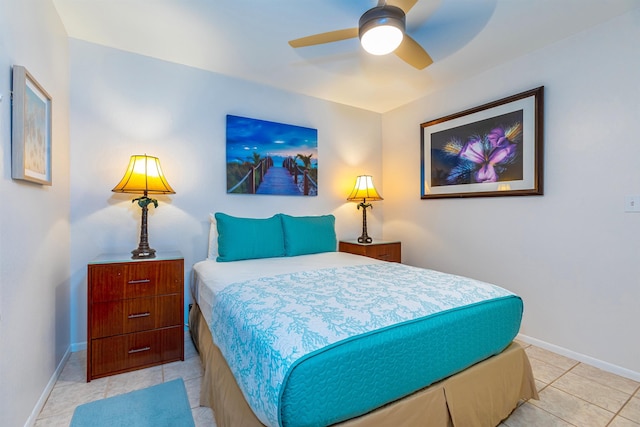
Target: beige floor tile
64,398
56,421
540,385
190,368
193,391
631,410
528,415
75,370
614,381
591,391
545,372
551,358
189,349
203,417
572,409
622,422
135,380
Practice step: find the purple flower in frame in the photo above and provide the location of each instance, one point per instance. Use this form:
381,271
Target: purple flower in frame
496,148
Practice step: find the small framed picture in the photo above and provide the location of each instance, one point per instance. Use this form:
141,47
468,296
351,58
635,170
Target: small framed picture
30,129
495,149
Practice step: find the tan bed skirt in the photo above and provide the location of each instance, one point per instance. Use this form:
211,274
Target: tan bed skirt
482,395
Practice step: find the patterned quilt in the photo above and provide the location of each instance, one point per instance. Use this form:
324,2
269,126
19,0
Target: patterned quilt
264,326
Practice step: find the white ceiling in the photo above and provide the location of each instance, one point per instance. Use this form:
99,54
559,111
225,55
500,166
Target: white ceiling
247,39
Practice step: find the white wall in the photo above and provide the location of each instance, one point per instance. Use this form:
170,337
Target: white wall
34,225
572,254
124,104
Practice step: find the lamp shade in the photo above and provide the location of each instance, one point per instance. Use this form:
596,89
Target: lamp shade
364,190
144,175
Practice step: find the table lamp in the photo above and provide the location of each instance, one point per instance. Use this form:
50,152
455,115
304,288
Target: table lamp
144,176
362,192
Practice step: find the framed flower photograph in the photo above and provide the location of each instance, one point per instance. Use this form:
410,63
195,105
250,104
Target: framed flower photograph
495,149
30,129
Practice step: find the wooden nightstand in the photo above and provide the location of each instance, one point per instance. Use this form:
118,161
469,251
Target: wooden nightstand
386,251
135,313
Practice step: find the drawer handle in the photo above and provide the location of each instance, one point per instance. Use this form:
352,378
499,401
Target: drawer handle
134,282
139,350
135,316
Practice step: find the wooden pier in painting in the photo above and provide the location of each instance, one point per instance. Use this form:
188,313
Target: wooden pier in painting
266,178
278,180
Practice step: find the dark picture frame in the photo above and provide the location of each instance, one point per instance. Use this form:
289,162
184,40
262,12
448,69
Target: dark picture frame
495,149
30,129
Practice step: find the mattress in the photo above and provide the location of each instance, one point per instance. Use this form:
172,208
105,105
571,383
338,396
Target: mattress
319,339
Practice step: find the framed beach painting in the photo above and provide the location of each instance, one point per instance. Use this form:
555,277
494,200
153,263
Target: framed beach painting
271,158
495,149
30,129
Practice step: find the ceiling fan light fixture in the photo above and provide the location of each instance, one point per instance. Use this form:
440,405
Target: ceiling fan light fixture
381,40
381,29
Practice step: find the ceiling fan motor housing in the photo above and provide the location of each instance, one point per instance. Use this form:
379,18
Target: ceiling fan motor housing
382,15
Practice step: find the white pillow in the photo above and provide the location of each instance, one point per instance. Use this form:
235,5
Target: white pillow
213,238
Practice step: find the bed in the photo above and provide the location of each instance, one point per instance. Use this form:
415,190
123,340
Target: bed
293,333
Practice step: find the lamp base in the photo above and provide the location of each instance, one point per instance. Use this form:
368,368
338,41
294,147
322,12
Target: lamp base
365,239
143,253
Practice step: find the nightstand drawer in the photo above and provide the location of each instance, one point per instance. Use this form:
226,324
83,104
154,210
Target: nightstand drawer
385,251
134,315
125,352
111,282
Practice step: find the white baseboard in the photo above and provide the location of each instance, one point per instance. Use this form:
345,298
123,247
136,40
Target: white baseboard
605,366
31,421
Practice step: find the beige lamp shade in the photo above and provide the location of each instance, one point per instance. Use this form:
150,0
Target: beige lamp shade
364,190
144,175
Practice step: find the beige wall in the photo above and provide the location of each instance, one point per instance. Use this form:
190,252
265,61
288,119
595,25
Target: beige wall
124,104
572,254
34,219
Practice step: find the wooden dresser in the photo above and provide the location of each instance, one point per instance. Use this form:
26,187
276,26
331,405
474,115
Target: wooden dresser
135,313
386,251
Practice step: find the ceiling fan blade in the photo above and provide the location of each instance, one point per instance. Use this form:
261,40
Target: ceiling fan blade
405,5
331,36
412,53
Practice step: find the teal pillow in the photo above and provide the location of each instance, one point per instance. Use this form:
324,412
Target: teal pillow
308,234
248,238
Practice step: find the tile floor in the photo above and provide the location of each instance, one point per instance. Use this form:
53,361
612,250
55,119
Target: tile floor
72,388
571,393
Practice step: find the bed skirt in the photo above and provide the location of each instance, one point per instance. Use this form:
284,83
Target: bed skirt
482,395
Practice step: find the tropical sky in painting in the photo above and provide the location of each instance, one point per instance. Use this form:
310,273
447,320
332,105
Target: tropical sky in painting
246,136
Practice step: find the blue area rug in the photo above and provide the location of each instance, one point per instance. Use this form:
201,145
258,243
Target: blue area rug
161,405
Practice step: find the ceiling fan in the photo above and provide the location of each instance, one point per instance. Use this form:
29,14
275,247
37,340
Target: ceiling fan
381,30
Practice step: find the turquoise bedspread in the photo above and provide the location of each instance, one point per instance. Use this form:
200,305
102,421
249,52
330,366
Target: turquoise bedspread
317,347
